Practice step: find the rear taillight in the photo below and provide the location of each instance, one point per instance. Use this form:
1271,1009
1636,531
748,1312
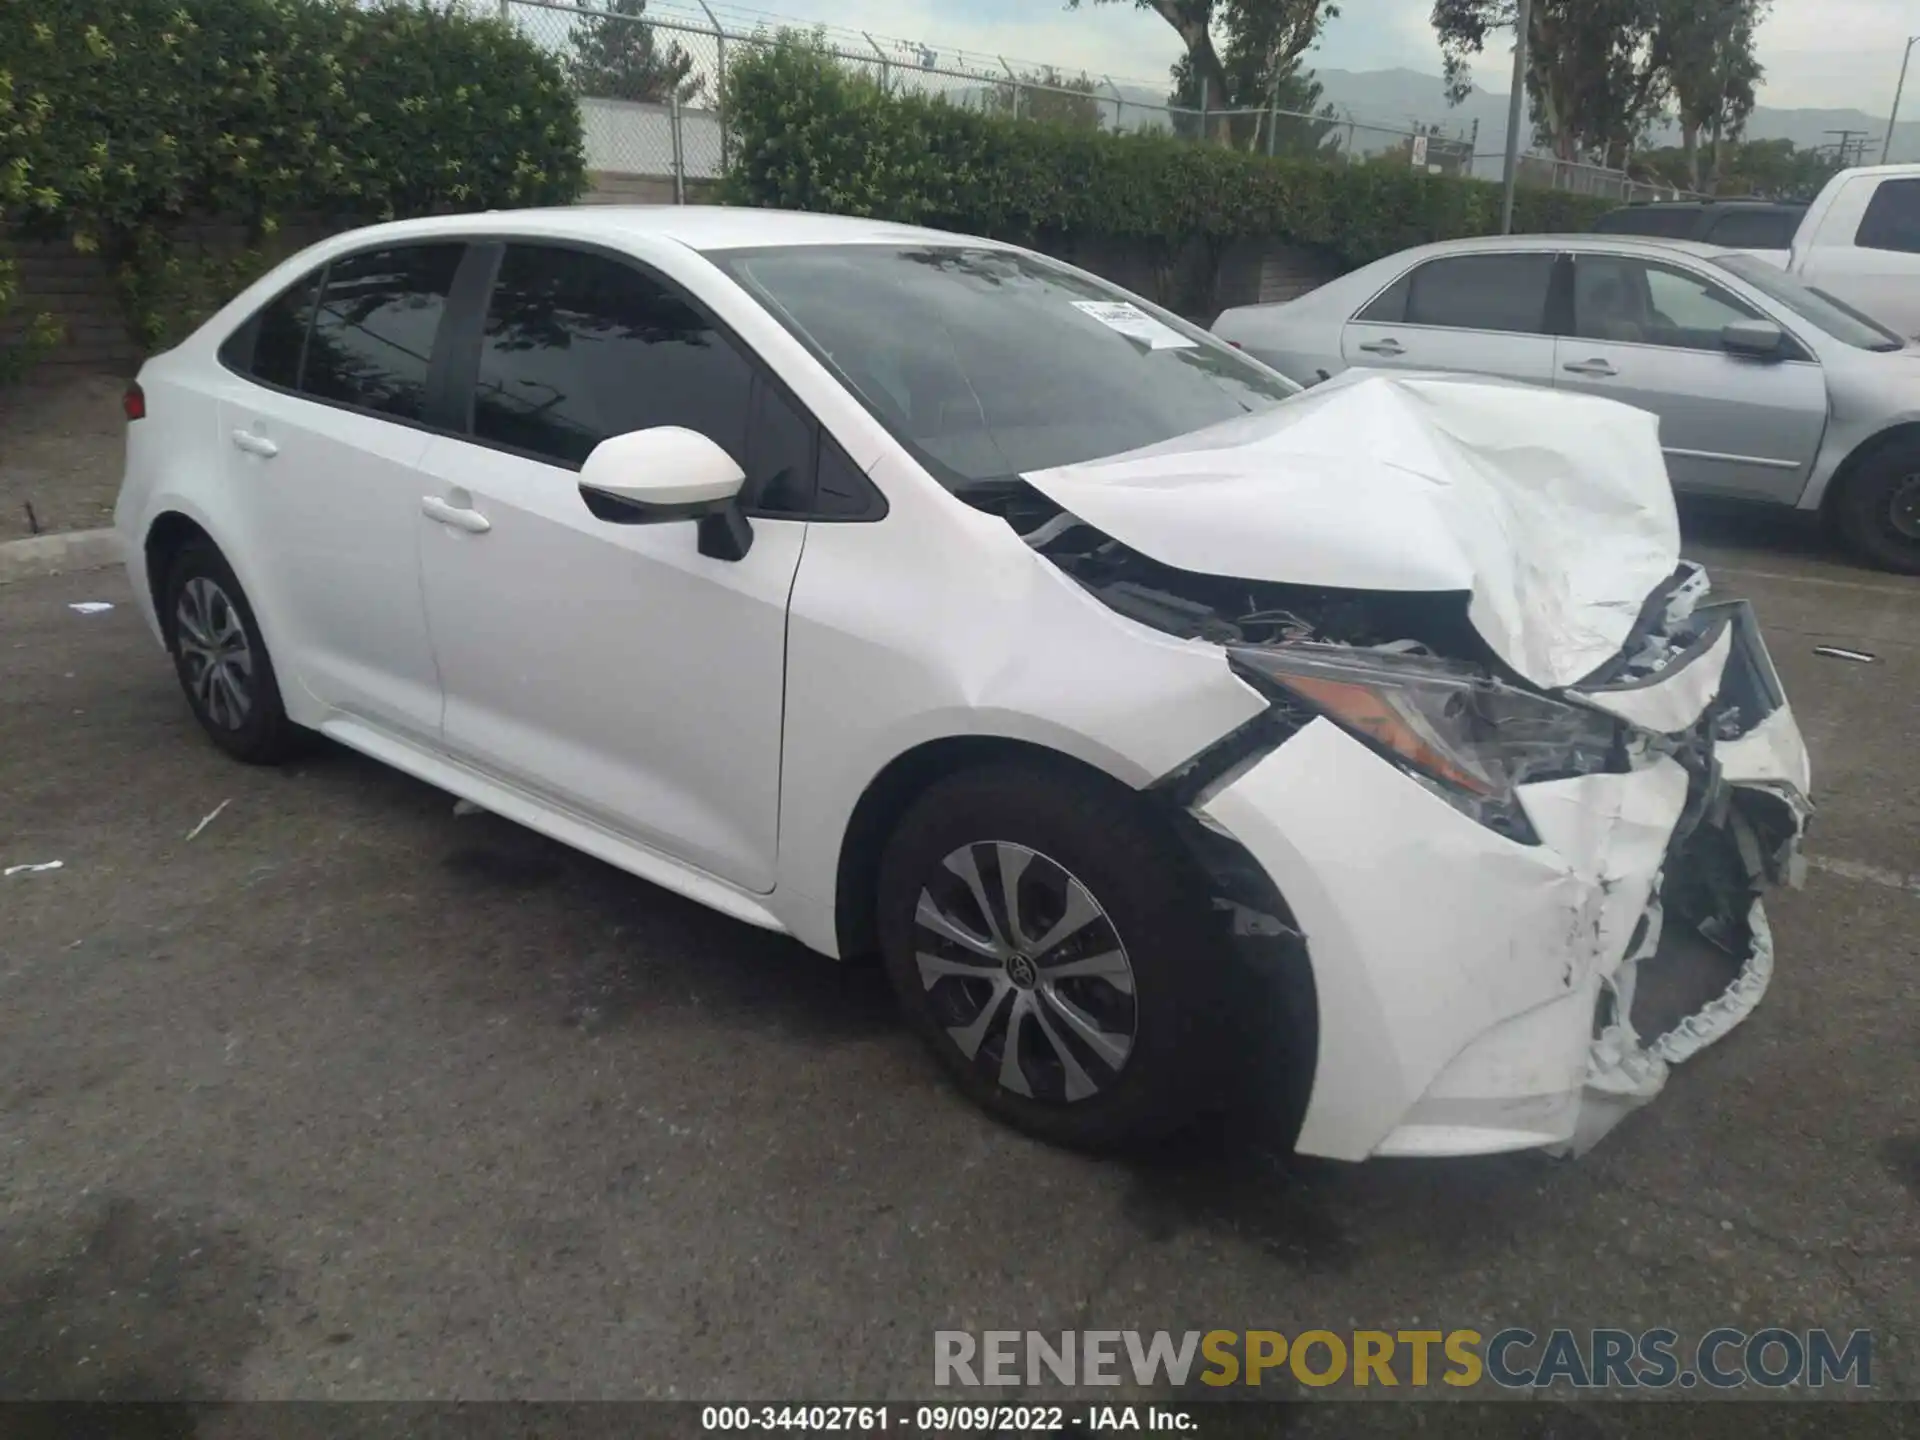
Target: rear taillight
1234,343
134,402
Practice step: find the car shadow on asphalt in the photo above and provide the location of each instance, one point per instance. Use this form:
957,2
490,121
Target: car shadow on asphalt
591,946
1706,520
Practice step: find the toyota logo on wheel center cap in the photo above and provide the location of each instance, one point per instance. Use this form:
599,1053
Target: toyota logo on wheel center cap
1021,971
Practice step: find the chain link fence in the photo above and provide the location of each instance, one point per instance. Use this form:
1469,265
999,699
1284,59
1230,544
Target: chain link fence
1547,173
651,87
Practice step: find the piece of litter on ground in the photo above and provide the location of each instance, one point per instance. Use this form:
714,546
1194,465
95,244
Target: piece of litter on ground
90,607
467,807
34,869
207,819
1839,654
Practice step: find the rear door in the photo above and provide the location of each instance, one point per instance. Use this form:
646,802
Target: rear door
1481,314
323,437
1647,333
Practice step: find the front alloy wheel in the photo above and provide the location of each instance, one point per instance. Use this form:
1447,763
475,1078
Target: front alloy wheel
1025,972
1049,941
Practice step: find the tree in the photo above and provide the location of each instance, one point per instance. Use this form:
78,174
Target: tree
616,56
1595,79
1255,102
1050,96
1765,169
1268,37
1707,50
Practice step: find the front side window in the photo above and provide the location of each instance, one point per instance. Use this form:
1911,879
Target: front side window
1892,221
373,334
1502,293
1833,317
1620,298
578,347
988,364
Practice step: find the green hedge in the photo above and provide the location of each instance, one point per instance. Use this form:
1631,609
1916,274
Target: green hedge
812,135
120,117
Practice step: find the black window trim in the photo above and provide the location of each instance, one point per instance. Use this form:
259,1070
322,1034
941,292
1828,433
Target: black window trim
473,329
435,364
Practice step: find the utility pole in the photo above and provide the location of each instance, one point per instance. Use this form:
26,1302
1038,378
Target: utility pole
1886,150
1851,146
1516,112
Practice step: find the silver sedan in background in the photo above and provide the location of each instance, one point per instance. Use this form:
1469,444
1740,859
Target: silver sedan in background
1766,390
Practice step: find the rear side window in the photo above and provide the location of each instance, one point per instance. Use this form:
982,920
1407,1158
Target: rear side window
268,346
1755,229
373,334
1389,307
1668,223
1892,221
578,347
1483,292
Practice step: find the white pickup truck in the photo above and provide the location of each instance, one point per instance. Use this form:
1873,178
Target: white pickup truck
1858,242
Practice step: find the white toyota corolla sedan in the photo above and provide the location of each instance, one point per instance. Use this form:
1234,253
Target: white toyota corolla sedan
915,594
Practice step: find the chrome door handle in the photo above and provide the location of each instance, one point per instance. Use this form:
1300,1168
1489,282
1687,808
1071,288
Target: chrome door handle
255,444
471,521
1384,347
1592,367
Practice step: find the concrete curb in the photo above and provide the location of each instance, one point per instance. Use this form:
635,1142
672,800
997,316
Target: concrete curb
54,554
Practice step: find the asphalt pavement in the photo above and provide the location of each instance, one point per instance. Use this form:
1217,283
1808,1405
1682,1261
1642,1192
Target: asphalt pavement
346,1096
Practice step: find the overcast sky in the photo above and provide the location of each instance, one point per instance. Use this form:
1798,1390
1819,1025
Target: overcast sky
1821,53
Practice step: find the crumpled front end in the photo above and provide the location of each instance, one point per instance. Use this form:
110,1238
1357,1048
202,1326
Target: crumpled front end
1484,987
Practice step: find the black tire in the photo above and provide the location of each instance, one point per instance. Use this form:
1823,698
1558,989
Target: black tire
1151,898
1878,509
202,593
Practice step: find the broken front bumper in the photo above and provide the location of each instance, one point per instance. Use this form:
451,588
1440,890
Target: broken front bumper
1479,995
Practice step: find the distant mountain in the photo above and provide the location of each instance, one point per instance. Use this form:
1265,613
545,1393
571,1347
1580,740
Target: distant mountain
1401,98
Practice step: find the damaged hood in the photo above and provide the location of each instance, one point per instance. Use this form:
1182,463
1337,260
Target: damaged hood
1552,511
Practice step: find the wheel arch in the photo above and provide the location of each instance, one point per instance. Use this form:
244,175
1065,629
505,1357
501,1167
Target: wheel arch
169,532
1869,449
886,799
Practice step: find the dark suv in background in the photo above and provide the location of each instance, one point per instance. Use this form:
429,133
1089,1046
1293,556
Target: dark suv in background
1736,224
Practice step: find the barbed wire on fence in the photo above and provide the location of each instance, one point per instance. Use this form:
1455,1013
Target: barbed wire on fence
651,77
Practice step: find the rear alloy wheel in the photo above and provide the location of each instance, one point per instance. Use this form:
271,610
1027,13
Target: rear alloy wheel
221,660
1047,943
1879,510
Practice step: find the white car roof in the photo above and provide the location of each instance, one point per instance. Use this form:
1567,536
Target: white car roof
699,227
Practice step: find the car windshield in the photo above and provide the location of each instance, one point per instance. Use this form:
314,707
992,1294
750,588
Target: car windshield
989,364
1839,320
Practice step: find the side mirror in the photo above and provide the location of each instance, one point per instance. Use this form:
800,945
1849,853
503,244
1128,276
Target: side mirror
668,473
1759,339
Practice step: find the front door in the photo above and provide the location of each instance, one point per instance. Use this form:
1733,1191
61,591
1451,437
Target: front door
612,668
1648,333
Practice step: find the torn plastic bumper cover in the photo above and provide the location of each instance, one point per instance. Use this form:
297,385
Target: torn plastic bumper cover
1497,991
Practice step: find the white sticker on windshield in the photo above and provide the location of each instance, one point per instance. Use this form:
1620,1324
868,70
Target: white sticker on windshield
1135,323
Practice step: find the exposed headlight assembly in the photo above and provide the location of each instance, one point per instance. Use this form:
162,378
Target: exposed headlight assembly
1472,739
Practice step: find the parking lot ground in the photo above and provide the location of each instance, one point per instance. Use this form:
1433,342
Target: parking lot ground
348,1096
